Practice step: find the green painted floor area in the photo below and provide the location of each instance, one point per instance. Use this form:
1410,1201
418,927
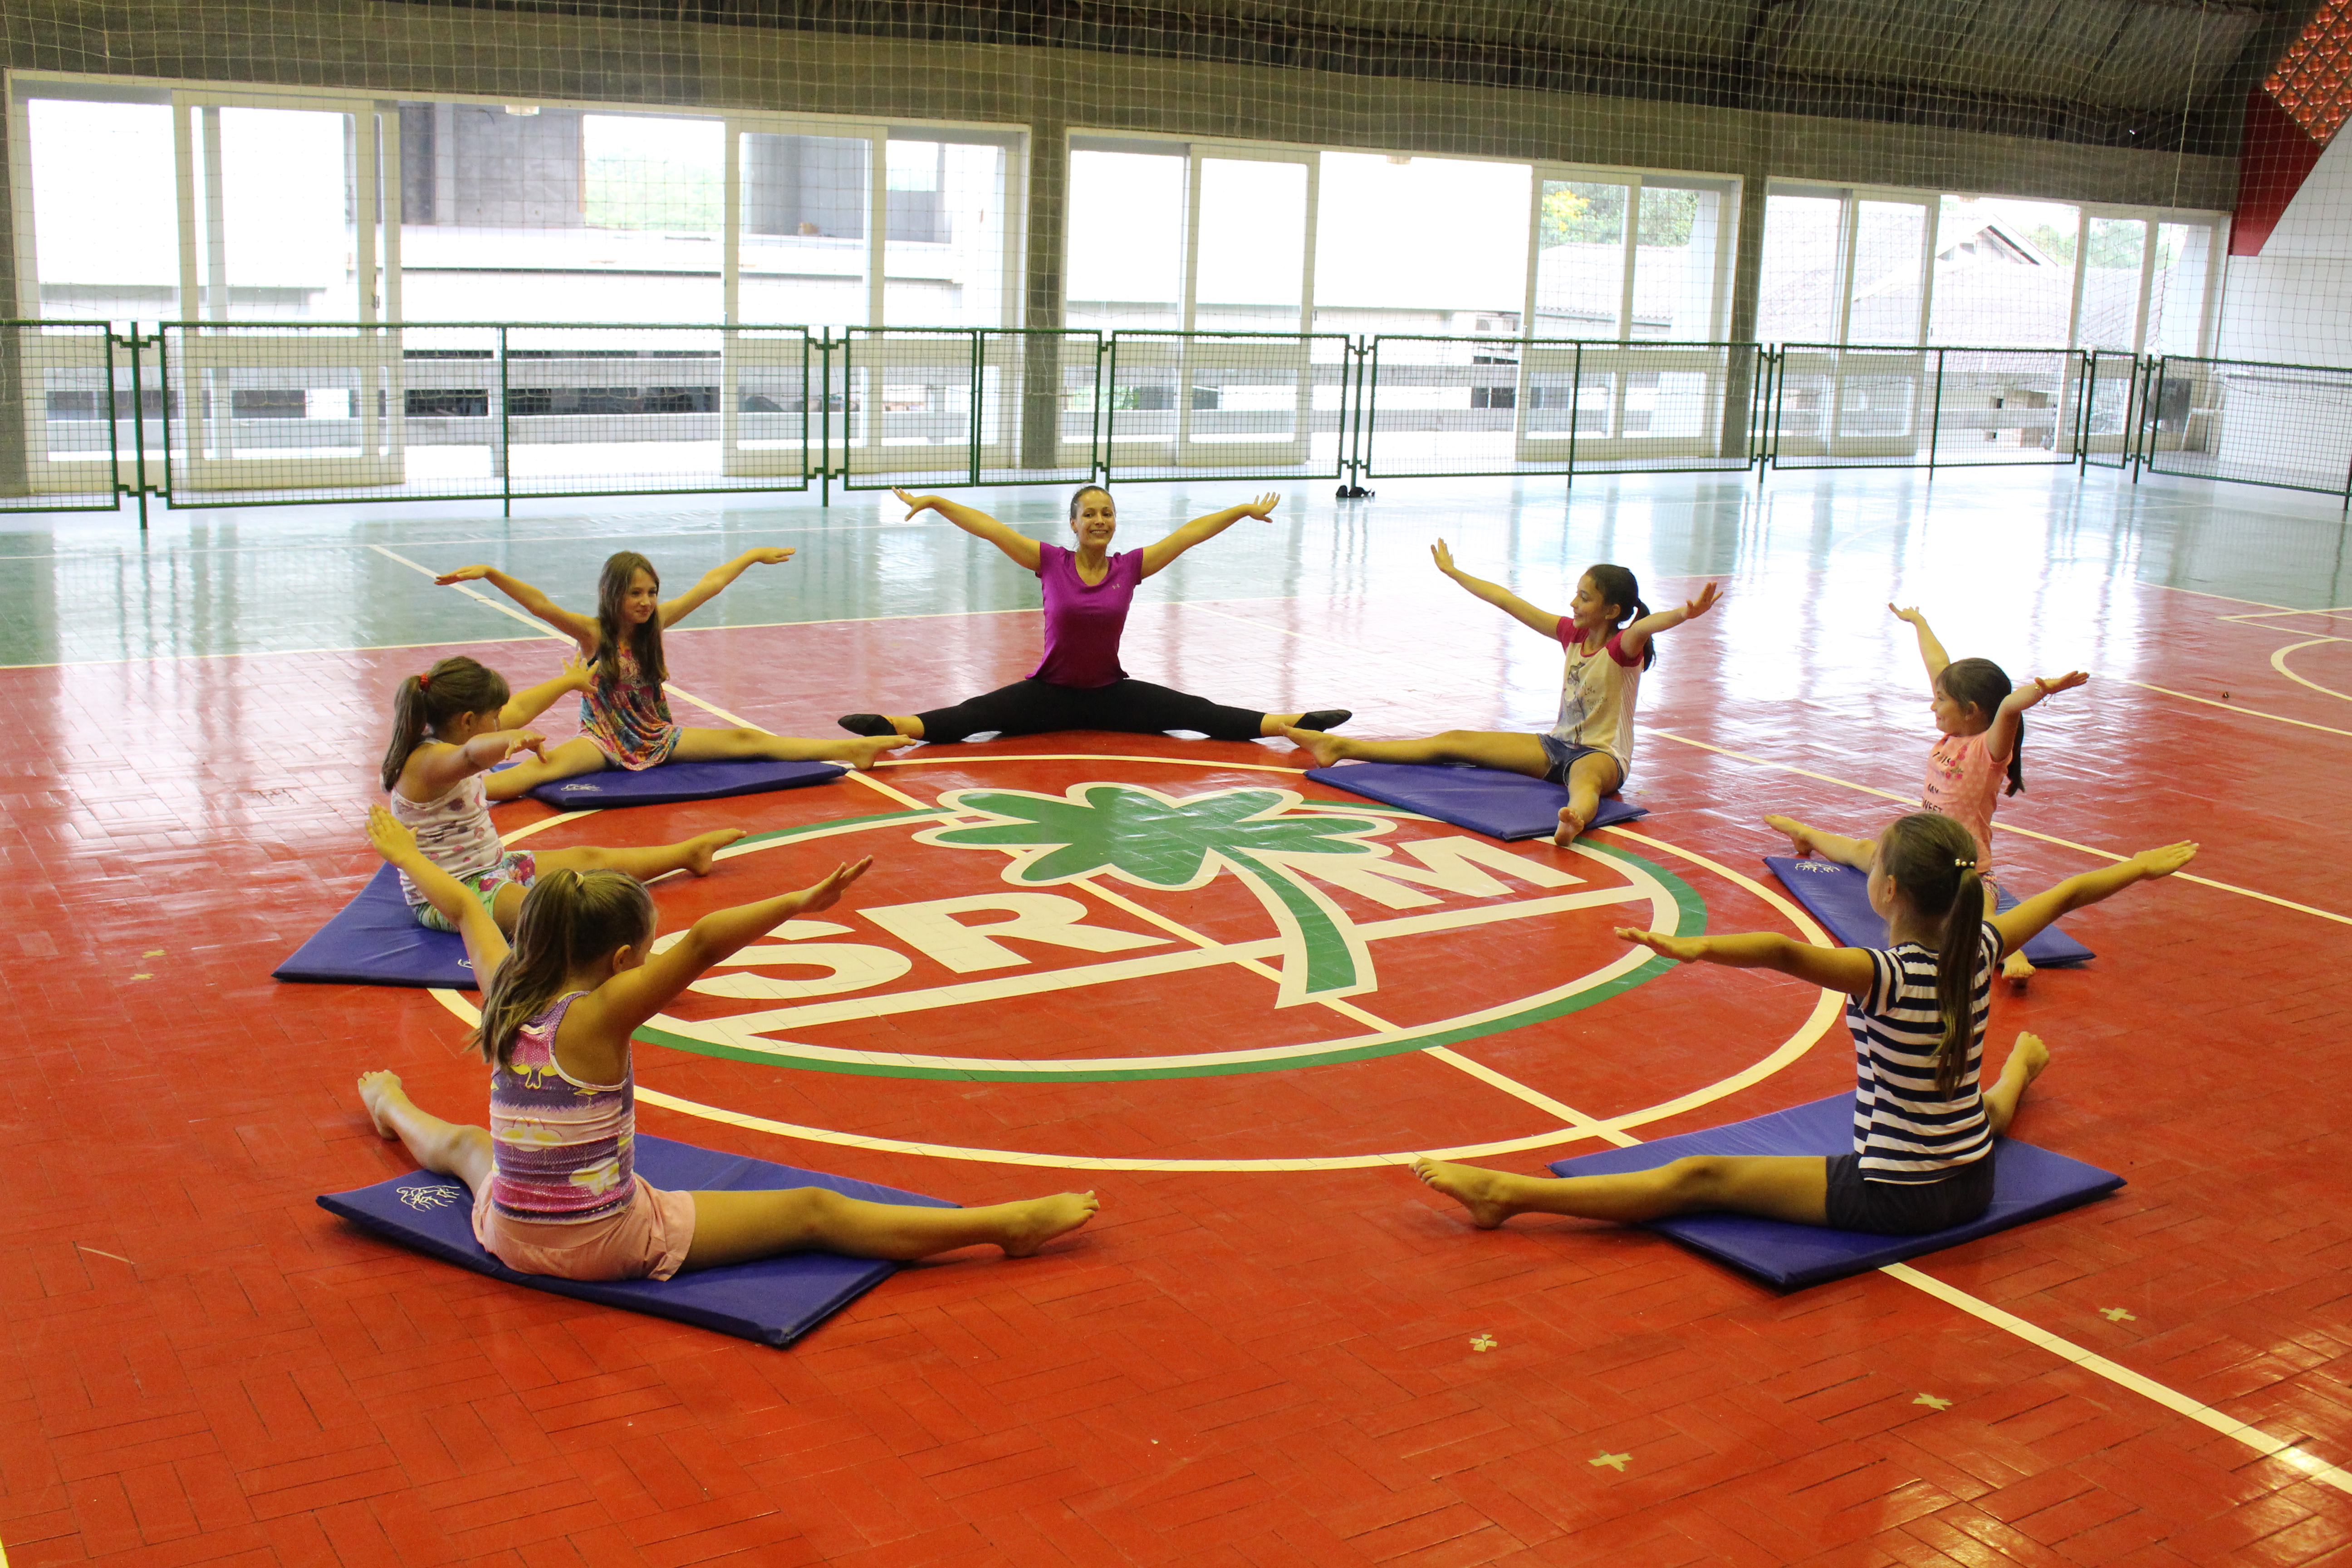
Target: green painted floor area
83,587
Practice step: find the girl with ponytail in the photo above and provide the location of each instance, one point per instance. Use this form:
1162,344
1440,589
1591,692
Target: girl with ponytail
553,1175
449,726
1608,633
625,718
1979,744
1923,1130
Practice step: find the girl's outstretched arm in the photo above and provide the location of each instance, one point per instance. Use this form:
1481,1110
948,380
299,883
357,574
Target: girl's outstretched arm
1025,552
1495,593
579,628
2001,738
707,586
433,774
528,704
611,1012
486,945
1847,969
1931,652
1636,638
1161,552
2023,923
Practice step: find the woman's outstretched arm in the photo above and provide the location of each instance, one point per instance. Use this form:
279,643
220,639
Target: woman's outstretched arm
1025,551
1495,593
1160,553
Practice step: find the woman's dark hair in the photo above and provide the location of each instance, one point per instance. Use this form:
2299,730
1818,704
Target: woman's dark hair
645,643
570,919
1083,492
1933,861
450,690
1616,586
1984,684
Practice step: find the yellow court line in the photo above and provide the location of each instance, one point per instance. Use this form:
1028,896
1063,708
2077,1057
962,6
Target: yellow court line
2274,615
2278,662
2227,707
2252,1437
2003,827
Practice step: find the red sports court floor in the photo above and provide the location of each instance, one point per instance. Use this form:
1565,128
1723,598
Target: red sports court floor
1273,1346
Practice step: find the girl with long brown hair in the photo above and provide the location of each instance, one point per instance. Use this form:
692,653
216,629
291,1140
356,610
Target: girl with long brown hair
553,1177
625,718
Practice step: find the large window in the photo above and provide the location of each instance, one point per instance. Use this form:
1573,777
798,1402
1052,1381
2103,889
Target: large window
153,203
1872,268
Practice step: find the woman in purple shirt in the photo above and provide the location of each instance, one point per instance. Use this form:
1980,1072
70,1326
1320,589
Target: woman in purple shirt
1078,685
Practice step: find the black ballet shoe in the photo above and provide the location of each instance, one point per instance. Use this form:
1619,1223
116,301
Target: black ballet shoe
866,724
1324,718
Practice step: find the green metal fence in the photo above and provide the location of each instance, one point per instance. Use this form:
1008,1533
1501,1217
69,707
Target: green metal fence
1226,406
211,413
1846,406
65,394
2288,427
273,413
1444,406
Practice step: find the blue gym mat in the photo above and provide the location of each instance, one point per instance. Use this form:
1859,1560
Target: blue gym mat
1499,805
674,782
774,1300
375,941
1839,897
2028,1182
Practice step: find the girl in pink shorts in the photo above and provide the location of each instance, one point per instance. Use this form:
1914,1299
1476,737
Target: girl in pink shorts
555,1188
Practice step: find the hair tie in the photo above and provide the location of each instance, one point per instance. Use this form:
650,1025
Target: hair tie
424,680
1964,865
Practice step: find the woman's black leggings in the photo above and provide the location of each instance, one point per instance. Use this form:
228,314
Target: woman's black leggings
1130,706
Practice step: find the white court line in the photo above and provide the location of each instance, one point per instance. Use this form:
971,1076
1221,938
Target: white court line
501,606
2001,827
2172,1399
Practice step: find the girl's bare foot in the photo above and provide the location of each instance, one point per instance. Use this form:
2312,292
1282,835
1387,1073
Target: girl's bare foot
2030,1050
1326,749
376,1089
703,846
2017,969
1478,1190
1034,1224
863,754
1570,827
1800,838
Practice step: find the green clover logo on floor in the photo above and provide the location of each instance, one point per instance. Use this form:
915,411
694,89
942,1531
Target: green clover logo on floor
1154,840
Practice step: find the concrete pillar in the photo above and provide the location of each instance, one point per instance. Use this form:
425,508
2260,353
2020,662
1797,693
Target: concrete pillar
1746,287
1041,375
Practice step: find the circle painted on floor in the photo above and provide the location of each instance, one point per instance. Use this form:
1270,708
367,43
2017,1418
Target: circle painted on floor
1104,929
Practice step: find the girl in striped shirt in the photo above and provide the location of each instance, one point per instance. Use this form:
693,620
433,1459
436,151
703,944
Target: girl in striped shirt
553,1176
1922,1136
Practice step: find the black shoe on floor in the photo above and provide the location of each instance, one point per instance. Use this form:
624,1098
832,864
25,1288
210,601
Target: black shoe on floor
866,724
1324,718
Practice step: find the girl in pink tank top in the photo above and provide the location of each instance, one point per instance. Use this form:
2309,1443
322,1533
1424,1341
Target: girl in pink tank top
554,1178
1980,745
